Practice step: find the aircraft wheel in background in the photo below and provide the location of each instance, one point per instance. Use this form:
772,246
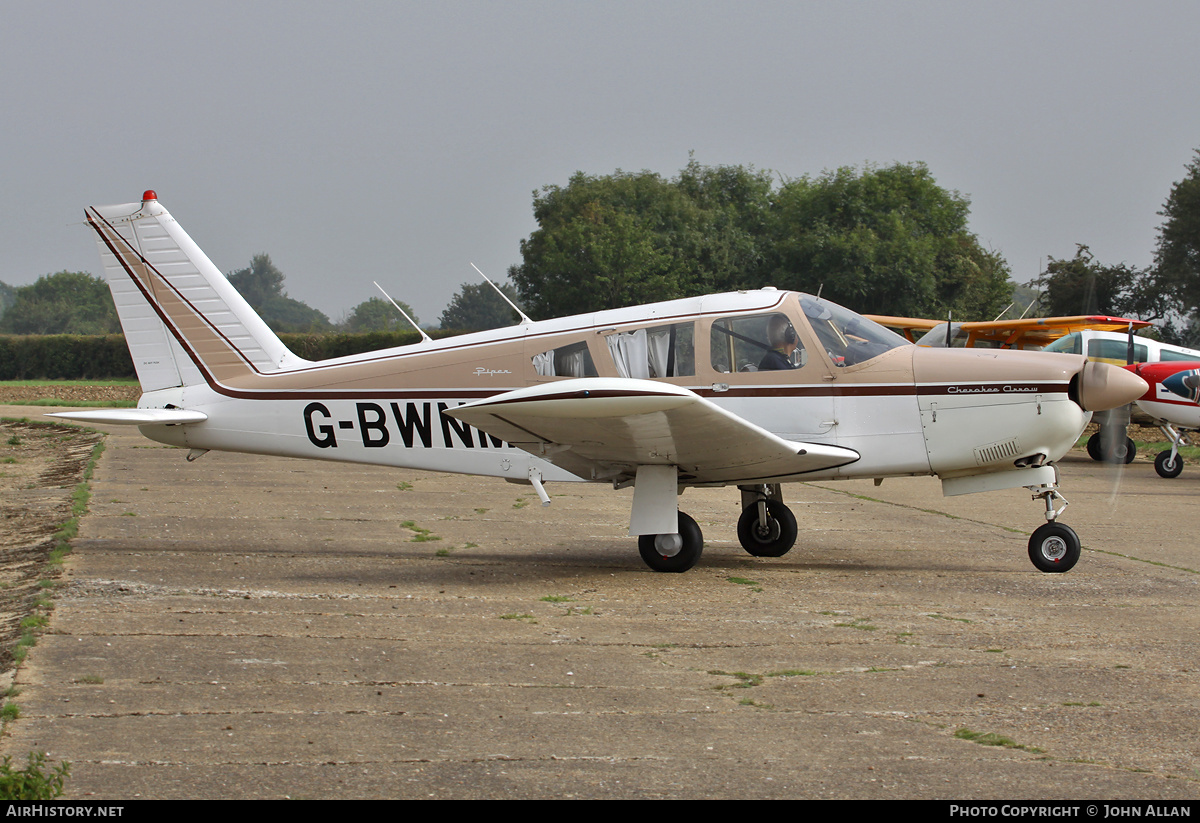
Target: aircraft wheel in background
1130,452
673,552
1166,467
1054,548
774,538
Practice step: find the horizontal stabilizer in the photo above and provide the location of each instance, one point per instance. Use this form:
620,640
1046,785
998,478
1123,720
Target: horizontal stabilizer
607,427
133,417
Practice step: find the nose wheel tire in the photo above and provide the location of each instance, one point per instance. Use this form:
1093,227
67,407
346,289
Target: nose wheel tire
1166,467
673,553
773,537
1054,548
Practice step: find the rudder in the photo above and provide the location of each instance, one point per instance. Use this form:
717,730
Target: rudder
182,318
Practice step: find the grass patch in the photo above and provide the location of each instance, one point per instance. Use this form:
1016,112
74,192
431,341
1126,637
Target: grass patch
859,623
78,404
35,781
746,680
404,486
556,598
992,739
948,617
89,680
420,533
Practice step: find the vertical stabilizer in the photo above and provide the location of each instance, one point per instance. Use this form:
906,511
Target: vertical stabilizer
183,320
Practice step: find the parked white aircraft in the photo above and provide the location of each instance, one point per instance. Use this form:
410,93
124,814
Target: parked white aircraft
752,389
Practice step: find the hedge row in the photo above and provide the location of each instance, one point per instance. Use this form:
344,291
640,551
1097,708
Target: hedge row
64,357
105,357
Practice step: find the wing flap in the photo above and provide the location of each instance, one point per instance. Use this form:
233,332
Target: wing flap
602,428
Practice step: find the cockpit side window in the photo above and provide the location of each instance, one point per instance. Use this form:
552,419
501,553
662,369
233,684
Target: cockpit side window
760,342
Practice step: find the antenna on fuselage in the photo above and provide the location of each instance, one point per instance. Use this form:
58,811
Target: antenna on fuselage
424,337
949,329
524,317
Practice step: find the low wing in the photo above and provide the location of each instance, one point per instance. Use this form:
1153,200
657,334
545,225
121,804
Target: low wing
604,428
133,417
1011,334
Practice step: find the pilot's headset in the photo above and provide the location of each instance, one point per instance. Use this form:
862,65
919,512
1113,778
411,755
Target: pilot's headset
780,331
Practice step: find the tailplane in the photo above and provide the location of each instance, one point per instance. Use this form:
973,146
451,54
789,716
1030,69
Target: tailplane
183,320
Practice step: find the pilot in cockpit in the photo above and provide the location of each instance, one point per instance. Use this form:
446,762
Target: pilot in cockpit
781,337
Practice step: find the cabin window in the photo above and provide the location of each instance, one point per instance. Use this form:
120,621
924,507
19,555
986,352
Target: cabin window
1115,350
1167,354
573,360
662,351
1067,344
760,342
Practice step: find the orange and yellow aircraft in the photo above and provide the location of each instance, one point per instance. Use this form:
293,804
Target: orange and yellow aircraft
1026,333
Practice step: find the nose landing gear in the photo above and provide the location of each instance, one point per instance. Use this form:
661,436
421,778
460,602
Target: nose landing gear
1053,547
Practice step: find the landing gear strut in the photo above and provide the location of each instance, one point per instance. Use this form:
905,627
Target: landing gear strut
1169,464
767,528
1053,547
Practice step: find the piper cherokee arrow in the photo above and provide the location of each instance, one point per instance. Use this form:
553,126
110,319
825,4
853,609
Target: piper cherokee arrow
751,389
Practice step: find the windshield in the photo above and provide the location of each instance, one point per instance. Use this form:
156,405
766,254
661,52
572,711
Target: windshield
1067,344
847,338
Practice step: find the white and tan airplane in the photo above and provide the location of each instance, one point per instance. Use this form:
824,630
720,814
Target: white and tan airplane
751,389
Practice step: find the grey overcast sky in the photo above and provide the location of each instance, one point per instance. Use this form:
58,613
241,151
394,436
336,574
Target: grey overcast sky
401,141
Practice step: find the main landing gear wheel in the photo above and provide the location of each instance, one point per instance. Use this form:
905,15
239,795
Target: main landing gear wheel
772,537
1166,466
1054,548
673,552
1121,454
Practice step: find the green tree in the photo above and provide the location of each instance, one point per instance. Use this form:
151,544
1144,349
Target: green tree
261,283
258,282
1177,255
376,314
67,302
885,241
7,296
476,306
604,242
1082,285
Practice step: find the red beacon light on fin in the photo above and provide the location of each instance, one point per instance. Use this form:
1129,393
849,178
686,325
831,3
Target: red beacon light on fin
149,195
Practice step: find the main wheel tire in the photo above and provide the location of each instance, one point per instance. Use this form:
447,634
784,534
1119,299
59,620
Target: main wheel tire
1166,467
1129,453
1093,447
1054,548
652,546
775,538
